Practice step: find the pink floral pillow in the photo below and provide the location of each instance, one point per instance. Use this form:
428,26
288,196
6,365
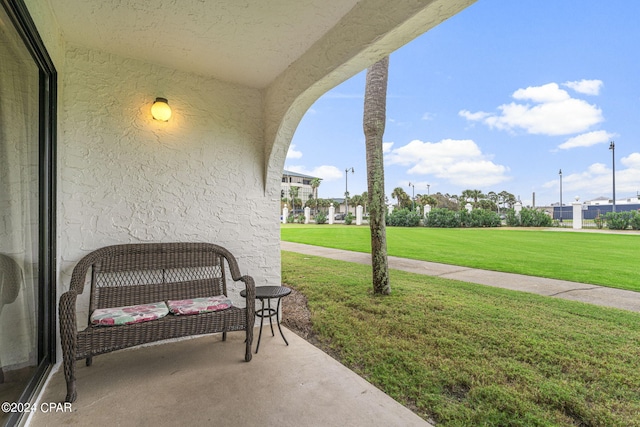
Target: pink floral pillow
199,305
129,314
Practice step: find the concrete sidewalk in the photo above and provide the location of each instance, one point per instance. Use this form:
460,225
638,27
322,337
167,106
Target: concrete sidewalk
592,294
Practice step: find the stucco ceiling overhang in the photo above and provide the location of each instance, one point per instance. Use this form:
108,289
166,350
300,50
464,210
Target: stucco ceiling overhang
249,42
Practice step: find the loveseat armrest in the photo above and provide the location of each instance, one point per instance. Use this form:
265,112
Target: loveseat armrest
250,289
67,313
69,339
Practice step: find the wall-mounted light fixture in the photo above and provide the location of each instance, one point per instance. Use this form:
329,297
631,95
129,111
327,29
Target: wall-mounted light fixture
160,110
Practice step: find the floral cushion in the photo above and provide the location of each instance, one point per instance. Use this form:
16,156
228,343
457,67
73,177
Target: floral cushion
128,315
199,305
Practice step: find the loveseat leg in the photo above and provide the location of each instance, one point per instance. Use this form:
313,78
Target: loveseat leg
71,392
70,377
89,360
224,336
248,341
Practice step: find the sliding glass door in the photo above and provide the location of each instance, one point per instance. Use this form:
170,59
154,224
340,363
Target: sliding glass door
27,117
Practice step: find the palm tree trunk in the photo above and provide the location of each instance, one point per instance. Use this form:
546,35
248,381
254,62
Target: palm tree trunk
375,100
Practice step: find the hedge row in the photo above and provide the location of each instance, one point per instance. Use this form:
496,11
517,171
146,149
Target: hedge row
446,218
622,220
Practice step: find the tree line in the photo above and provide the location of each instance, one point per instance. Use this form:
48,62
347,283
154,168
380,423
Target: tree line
491,201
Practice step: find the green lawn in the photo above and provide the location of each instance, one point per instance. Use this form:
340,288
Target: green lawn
595,258
463,354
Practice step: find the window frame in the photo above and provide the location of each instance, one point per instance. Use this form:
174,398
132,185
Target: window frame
19,15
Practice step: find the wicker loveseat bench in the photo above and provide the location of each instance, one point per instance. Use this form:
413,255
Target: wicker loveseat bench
132,275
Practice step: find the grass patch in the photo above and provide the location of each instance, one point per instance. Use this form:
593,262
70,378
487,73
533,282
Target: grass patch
467,355
595,258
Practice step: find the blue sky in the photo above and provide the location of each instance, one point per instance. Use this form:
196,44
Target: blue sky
499,97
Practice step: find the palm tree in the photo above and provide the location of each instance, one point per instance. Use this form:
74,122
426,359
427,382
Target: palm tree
494,197
365,200
425,199
315,183
324,204
293,193
356,200
475,195
507,198
375,100
401,196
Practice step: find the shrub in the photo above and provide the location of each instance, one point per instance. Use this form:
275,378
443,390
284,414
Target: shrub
301,218
321,218
528,218
534,218
635,220
443,218
403,218
513,220
618,220
348,219
599,221
480,218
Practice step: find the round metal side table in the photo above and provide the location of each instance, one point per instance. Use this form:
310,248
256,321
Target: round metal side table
268,293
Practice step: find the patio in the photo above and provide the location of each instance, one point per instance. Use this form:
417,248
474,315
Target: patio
238,77
203,381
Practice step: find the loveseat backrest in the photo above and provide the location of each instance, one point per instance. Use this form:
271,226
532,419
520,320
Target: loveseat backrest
147,273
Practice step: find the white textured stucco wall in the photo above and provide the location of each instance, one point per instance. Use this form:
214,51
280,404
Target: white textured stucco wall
128,178
123,177
213,172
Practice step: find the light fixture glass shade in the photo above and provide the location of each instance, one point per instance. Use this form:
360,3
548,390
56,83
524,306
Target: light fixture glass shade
160,110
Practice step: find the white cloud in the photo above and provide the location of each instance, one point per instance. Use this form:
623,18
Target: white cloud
459,161
632,161
327,173
541,94
587,139
480,115
587,87
554,112
597,180
597,169
293,153
386,147
428,116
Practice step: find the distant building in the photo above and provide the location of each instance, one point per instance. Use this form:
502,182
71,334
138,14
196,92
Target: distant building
294,179
607,201
599,206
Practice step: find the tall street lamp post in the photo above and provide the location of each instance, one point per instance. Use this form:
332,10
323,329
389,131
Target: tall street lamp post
413,196
428,185
612,147
560,173
346,188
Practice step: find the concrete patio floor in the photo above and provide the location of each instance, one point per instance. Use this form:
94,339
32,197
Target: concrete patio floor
204,381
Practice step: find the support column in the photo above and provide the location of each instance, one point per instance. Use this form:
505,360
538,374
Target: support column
517,208
577,214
